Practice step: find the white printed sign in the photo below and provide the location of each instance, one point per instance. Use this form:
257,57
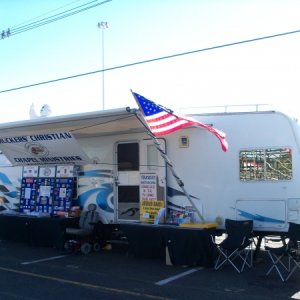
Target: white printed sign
148,187
30,171
47,172
65,171
49,148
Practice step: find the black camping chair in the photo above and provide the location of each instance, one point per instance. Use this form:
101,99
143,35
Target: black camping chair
236,246
286,259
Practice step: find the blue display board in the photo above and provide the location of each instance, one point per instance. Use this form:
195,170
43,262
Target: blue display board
47,189
29,187
63,194
44,201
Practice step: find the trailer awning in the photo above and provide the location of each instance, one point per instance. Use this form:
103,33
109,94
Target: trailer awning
48,148
54,139
99,123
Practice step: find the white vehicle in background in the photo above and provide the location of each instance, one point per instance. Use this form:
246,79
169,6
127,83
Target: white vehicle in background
257,178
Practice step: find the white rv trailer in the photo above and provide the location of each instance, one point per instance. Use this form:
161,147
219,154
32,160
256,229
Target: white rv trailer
257,178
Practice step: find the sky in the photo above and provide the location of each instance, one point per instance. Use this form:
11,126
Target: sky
266,71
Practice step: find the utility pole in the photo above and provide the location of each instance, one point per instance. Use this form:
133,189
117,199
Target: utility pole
103,25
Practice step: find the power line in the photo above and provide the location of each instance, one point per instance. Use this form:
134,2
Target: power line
57,17
153,60
78,9
44,14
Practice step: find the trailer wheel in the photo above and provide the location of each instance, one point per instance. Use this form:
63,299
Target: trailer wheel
96,247
86,248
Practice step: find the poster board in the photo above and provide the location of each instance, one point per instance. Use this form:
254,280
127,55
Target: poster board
149,204
47,189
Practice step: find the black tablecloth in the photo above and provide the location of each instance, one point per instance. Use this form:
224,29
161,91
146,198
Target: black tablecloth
192,247
144,240
36,231
186,246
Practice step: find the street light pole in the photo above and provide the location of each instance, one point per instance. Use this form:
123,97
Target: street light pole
102,25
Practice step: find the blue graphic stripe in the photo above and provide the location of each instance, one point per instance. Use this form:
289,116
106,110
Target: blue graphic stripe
4,179
102,195
96,173
12,194
257,217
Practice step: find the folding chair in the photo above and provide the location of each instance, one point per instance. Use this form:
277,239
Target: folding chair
236,246
286,259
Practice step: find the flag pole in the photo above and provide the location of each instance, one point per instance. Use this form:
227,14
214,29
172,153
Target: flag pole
168,162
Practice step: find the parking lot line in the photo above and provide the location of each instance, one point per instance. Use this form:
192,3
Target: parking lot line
43,259
172,278
83,284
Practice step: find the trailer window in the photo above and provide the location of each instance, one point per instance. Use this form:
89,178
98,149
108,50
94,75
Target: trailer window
128,157
152,158
266,164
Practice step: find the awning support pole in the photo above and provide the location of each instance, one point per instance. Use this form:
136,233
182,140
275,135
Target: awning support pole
168,162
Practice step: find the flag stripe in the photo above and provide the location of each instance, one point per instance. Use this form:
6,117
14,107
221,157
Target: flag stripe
158,116
169,126
162,121
168,129
167,122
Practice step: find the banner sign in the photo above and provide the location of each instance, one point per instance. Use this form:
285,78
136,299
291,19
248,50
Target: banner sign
149,210
149,204
148,187
48,148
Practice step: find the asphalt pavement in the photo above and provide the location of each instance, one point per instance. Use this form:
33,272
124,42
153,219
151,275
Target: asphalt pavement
45,273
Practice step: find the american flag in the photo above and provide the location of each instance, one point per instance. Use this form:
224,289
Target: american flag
162,121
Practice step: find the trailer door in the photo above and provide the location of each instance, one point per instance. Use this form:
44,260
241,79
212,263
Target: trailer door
135,159
127,185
